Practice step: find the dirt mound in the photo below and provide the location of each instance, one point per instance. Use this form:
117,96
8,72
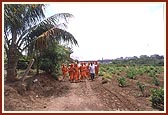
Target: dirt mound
45,85
14,101
40,87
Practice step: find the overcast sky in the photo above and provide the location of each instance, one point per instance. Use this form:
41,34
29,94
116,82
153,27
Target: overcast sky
113,30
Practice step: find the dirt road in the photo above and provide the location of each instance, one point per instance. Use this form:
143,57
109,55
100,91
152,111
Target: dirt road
79,98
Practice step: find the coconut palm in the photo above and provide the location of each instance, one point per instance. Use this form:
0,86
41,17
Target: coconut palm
25,26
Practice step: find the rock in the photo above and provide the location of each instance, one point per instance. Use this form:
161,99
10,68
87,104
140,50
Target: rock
35,80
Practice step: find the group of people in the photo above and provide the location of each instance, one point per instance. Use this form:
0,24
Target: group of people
80,71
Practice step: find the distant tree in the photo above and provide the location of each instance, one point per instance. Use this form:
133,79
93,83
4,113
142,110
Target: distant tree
156,60
143,56
156,56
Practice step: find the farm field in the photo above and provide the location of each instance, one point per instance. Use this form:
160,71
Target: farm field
117,88
132,85
50,57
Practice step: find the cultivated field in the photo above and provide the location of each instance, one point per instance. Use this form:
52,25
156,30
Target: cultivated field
117,88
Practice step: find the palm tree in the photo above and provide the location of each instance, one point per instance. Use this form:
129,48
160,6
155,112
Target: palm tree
25,27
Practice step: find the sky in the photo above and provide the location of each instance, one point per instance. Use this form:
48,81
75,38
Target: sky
113,30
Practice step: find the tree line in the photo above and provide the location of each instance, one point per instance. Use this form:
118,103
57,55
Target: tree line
155,60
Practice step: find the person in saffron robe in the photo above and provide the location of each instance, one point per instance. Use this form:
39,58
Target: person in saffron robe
76,72
96,68
87,70
84,70
71,73
81,71
64,71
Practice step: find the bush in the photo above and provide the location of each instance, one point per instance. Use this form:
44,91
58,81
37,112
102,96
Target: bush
141,71
102,69
52,58
152,73
101,73
157,98
131,74
141,87
107,75
46,65
122,81
155,81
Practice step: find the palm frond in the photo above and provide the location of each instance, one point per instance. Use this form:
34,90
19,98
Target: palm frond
52,35
45,25
22,16
45,29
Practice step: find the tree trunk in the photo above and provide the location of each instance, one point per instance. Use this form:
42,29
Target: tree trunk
12,58
12,64
37,64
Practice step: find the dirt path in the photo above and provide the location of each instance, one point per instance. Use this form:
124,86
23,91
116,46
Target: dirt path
80,98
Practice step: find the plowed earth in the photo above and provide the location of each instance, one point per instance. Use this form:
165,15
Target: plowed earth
47,94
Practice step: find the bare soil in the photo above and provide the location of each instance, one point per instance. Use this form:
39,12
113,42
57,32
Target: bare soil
48,94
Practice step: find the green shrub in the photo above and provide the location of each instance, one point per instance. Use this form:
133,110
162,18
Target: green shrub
102,69
152,73
155,81
157,98
152,68
101,73
46,65
131,74
122,81
107,68
140,71
146,69
110,70
141,87
107,75
52,58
